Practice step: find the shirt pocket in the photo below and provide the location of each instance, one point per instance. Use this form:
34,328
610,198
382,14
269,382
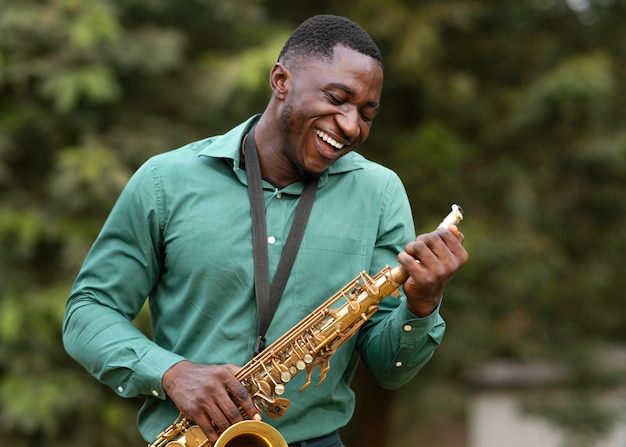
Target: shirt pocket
324,265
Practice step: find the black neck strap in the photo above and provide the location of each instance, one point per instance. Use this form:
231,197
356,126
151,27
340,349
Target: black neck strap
268,296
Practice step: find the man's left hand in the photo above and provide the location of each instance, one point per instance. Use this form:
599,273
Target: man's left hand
431,261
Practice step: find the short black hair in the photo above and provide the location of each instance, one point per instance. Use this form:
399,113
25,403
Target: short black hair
318,36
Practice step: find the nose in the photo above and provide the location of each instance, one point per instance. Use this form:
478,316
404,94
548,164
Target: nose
349,122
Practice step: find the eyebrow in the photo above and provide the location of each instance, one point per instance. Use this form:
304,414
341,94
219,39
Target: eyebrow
349,91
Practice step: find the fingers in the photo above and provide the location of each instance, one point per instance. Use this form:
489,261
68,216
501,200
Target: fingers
207,427
431,261
215,419
442,247
209,395
221,409
239,394
455,230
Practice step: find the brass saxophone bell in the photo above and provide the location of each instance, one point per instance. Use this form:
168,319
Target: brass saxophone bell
250,433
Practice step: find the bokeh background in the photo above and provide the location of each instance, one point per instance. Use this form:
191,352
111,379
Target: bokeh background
515,109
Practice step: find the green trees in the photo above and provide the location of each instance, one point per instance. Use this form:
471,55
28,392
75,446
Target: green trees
515,110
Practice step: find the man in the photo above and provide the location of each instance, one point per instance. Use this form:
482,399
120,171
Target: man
180,234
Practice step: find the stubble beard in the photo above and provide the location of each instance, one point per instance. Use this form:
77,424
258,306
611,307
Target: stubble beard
288,126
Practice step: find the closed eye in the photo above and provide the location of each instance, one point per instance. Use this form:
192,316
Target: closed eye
334,98
339,100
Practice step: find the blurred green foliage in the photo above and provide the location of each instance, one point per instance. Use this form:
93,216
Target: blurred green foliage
515,110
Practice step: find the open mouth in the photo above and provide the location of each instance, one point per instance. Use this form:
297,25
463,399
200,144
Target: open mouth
329,140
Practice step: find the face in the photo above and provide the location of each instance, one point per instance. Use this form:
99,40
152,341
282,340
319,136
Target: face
327,108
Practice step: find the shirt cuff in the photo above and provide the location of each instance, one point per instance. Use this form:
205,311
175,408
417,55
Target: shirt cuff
413,328
145,376
418,338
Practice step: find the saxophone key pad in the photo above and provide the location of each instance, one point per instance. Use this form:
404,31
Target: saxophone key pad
285,376
279,389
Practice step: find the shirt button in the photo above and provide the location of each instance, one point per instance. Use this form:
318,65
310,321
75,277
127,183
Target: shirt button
155,393
279,195
120,388
271,240
398,364
407,328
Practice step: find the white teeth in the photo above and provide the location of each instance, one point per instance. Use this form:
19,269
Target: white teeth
330,140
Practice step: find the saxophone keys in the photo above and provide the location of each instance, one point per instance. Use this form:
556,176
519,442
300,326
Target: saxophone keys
283,402
321,378
285,376
277,408
353,307
308,358
294,369
279,389
324,367
308,380
264,387
194,437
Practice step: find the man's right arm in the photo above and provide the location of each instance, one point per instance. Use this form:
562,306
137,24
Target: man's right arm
119,272
113,350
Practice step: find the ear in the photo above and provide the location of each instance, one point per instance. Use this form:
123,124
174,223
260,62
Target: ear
280,80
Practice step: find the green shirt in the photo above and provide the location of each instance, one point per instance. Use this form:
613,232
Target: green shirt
180,234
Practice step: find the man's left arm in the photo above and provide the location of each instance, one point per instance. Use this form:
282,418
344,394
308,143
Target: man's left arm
399,345
402,336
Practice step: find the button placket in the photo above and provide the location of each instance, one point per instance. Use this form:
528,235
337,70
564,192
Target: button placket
275,209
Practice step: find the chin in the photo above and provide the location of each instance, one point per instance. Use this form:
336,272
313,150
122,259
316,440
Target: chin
307,173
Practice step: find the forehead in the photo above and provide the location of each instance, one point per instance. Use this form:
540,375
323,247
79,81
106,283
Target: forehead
346,66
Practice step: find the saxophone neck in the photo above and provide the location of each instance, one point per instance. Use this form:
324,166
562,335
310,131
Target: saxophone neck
398,275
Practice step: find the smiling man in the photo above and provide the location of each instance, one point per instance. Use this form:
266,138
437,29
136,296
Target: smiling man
203,230
322,108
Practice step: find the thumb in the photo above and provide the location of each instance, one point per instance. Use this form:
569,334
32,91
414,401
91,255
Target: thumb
455,230
232,368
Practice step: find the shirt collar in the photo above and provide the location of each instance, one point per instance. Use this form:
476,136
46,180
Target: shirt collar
228,146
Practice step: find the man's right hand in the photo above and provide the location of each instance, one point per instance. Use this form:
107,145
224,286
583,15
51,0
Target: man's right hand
209,395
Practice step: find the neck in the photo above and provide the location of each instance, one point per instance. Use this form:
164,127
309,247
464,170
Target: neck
276,168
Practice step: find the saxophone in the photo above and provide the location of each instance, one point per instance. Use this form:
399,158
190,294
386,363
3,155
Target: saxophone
306,346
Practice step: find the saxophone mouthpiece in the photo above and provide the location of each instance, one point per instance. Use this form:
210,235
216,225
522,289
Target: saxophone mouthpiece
453,218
